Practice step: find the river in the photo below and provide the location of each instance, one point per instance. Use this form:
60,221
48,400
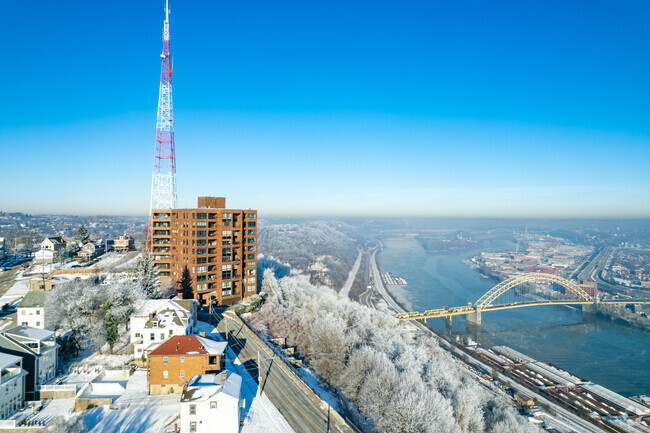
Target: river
608,353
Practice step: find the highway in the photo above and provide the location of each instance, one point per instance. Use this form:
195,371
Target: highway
299,405
345,290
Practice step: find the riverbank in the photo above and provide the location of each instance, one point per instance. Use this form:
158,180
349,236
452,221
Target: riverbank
474,367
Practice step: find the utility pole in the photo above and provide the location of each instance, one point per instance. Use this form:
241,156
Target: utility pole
259,375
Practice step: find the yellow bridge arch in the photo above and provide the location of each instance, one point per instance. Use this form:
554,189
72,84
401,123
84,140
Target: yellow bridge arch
485,302
498,290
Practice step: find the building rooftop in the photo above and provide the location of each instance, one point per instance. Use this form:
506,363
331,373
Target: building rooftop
206,386
30,333
33,299
189,345
7,360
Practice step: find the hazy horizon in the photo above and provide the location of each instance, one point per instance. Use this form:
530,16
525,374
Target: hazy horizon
331,108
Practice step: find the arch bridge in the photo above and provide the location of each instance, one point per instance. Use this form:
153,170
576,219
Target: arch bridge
486,302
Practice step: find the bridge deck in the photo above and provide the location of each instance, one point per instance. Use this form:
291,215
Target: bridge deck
457,311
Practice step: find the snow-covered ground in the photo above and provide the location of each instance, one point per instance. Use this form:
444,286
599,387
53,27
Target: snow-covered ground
138,412
310,380
260,415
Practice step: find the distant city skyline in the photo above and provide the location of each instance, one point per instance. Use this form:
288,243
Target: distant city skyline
330,108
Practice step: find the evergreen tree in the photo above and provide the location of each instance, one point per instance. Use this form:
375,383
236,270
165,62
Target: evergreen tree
81,234
111,324
146,275
185,289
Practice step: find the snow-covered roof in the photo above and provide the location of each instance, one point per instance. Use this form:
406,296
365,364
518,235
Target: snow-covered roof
206,386
7,360
148,306
189,345
56,240
213,347
31,333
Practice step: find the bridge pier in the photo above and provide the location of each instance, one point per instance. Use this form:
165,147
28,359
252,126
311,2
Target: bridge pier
448,322
474,318
590,308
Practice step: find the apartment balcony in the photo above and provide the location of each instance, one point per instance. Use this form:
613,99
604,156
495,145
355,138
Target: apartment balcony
161,224
161,249
161,241
161,232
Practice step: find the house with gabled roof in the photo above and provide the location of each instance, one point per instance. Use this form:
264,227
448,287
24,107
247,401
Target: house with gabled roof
155,320
172,363
39,351
212,402
12,384
31,310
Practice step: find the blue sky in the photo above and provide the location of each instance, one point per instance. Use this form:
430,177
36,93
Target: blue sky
525,109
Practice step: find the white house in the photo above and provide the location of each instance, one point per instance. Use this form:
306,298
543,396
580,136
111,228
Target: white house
90,250
54,243
31,310
155,320
212,402
12,384
44,256
39,351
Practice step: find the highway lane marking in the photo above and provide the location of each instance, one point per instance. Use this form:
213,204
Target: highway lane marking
324,419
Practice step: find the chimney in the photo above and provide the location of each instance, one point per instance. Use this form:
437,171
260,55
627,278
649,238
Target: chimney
150,316
224,376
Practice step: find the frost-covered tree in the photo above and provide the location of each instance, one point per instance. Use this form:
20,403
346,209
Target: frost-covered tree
185,284
146,275
83,305
398,382
81,235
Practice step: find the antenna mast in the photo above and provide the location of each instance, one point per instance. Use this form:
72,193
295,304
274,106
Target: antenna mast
163,182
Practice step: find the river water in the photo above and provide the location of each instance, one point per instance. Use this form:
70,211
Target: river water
608,353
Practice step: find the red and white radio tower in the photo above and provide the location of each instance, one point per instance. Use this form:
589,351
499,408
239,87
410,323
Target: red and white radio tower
163,182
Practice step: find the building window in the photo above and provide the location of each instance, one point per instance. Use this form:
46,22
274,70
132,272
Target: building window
250,288
192,409
250,248
250,224
200,269
250,256
201,216
201,233
201,251
213,405
201,224
165,375
252,216
152,336
250,232
164,360
182,373
193,426
182,360
201,286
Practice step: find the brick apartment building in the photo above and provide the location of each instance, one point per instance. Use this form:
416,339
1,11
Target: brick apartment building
171,365
218,245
